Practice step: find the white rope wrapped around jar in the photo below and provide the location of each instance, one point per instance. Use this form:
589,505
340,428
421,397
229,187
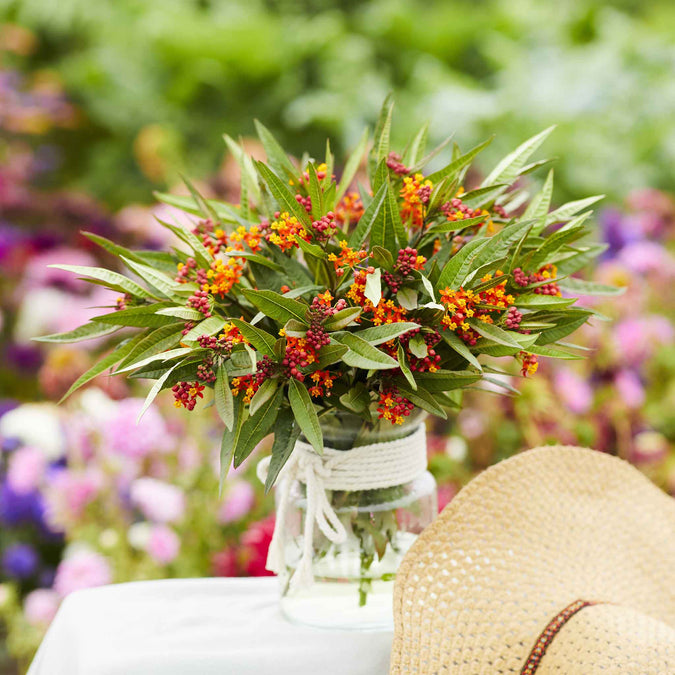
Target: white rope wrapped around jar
367,467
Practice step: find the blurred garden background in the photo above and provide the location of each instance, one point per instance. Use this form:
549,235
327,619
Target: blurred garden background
102,103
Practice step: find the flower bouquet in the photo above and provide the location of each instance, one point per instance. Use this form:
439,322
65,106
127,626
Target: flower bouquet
336,318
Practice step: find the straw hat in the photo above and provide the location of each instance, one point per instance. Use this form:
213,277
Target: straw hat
559,560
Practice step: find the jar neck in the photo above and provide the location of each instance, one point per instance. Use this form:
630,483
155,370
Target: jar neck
344,431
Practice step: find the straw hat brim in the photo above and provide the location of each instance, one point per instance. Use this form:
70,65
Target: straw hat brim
523,541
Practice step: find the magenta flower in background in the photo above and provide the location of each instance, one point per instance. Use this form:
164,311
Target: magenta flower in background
25,469
648,257
629,388
163,544
82,569
40,607
636,338
158,501
239,500
37,272
255,543
124,437
68,494
574,391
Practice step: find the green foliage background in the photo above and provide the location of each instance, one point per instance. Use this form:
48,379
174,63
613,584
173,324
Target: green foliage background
158,81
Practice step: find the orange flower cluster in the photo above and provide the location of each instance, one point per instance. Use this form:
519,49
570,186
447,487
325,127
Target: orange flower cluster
248,384
349,209
529,362
241,236
232,335
387,311
394,407
463,305
323,383
285,230
348,258
222,276
415,192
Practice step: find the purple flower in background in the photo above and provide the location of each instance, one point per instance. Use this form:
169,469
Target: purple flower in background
82,569
647,257
20,561
617,231
574,391
17,509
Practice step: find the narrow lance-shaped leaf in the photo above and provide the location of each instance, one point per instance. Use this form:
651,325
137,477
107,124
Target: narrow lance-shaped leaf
370,215
264,393
276,156
85,332
352,166
286,433
260,339
283,195
224,401
256,427
362,354
405,368
113,280
305,414
278,307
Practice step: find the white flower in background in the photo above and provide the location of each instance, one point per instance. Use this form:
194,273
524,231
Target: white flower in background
37,425
138,535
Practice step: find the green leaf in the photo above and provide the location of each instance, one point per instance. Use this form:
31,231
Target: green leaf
458,345
579,260
210,326
566,211
277,158
260,339
386,332
286,433
264,393
458,164
427,158
249,177
113,280
330,354
352,166
256,427
405,368
311,249
84,332
362,354
502,242
563,329
536,301
591,288
278,307
224,400
139,317
540,204
161,282
305,414
106,362
423,399
494,333
387,230
382,257
342,318
201,254
284,197
154,390
295,329
315,193
373,290
163,356
230,441
509,168
446,380
255,258
381,139
418,346
553,353
456,225
418,145
457,268
367,220
357,399
112,248
186,313
155,342
407,298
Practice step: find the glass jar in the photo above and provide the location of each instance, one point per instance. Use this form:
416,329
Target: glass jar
354,581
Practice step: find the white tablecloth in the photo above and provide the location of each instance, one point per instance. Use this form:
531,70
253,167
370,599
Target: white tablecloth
198,627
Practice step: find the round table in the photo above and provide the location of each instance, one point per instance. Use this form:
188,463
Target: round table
198,627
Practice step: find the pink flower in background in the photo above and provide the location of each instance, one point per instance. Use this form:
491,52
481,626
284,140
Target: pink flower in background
574,391
125,437
69,492
636,338
38,273
446,493
629,388
40,607
158,501
82,569
647,257
26,468
225,564
239,500
163,544
255,543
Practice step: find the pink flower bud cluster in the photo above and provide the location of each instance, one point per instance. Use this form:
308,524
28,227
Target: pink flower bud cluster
205,372
184,271
406,261
395,164
306,202
265,369
200,301
523,280
432,360
513,318
187,393
319,311
520,277
325,227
